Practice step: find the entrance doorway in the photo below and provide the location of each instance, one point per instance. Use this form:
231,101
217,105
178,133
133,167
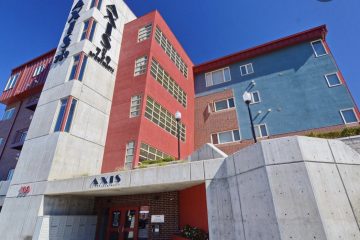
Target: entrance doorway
123,224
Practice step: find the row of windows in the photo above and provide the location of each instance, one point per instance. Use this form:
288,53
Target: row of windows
171,52
140,66
167,82
148,152
261,130
163,118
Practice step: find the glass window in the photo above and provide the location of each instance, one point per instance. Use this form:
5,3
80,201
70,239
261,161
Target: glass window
140,66
255,97
226,137
221,105
71,115
10,174
135,106
318,48
85,29
99,4
349,116
38,70
8,114
129,155
61,114
246,69
11,82
217,77
1,141
144,33
261,131
333,79
224,104
92,31
76,60
171,52
82,69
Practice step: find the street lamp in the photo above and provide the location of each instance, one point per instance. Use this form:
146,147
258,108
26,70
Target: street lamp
178,119
247,100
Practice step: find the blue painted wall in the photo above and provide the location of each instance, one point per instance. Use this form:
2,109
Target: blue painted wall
291,83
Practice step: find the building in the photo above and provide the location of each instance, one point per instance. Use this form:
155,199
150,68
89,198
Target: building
108,105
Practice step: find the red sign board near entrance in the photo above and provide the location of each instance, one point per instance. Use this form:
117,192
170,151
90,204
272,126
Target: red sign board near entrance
23,191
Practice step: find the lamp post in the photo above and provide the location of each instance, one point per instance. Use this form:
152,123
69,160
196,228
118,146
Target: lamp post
178,118
247,100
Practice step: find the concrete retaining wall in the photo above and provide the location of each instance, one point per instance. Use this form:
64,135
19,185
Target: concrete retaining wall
65,227
353,142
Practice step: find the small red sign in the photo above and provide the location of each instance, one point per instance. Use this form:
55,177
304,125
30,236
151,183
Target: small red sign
23,191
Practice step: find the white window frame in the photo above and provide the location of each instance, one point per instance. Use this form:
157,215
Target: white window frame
141,69
137,106
38,70
126,152
227,103
327,80
343,118
312,45
259,129
11,82
144,33
252,97
247,73
217,70
232,133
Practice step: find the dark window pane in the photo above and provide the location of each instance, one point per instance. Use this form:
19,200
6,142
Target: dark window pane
91,37
349,116
263,130
130,219
256,97
71,115
236,135
116,219
214,138
333,79
319,48
231,102
73,70
60,115
82,70
99,4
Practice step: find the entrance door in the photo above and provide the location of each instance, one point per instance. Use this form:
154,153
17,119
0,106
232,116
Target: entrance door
123,223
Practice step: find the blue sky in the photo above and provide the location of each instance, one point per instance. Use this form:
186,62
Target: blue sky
207,29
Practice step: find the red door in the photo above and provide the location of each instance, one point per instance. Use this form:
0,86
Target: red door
123,223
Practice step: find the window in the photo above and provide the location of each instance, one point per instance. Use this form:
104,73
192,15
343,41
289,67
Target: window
88,30
1,141
217,77
8,114
11,82
65,115
144,33
96,3
78,68
333,79
163,118
318,48
261,131
255,97
171,52
148,152
135,106
129,155
349,116
224,104
246,69
168,82
140,66
225,137
20,136
38,70
10,174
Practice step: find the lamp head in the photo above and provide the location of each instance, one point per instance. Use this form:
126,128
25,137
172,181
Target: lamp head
247,97
178,116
